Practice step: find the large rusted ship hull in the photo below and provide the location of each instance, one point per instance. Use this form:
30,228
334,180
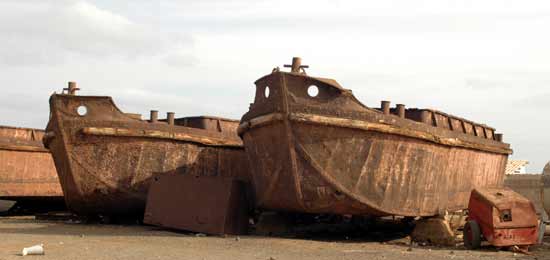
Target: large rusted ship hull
27,170
331,154
106,159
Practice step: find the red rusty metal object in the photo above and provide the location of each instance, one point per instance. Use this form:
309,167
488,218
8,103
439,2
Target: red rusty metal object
105,158
501,216
211,205
26,167
326,152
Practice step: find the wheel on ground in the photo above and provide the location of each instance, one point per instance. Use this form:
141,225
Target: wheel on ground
472,235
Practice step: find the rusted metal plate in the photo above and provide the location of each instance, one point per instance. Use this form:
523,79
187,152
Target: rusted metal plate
106,159
528,185
546,188
329,153
505,217
211,205
26,167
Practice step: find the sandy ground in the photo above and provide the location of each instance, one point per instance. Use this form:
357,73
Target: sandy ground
67,240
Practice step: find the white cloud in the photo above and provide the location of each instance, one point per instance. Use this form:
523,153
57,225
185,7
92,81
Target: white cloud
50,33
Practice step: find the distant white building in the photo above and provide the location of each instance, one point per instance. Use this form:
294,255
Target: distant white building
516,167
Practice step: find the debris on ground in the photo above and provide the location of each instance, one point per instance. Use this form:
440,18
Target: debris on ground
33,250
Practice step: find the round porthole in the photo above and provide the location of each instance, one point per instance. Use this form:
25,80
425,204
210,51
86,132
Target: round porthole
82,110
313,91
266,92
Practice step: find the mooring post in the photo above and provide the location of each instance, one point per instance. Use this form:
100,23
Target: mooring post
72,88
400,110
154,116
296,66
385,106
170,118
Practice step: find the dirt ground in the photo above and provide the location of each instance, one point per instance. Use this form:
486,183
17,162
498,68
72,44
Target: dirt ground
70,240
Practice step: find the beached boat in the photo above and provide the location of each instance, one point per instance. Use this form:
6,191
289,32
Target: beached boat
27,171
106,158
315,148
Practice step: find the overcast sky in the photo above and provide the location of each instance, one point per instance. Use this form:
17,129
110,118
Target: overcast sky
488,61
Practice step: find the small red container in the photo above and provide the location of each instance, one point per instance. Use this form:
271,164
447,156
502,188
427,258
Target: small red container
502,217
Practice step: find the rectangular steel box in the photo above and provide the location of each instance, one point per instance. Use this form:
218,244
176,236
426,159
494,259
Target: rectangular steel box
211,205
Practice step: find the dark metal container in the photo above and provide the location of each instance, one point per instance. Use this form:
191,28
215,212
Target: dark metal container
211,205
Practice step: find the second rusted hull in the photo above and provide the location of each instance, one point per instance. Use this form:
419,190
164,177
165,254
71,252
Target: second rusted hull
106,159
346,171
27,170
313,147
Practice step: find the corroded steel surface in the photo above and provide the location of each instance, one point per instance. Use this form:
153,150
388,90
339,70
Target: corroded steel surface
505,217
211,205
329,153
106,158
528,185
546,188
26,167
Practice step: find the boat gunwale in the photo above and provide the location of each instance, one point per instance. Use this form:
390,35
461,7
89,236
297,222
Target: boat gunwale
20,128
158,134
369,126
23,148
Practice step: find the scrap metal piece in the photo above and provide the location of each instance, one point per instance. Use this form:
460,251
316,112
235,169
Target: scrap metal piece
314,148
211,205
27,170
106,158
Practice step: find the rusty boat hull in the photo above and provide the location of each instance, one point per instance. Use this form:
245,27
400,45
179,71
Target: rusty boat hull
27,171
106,158
329,153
